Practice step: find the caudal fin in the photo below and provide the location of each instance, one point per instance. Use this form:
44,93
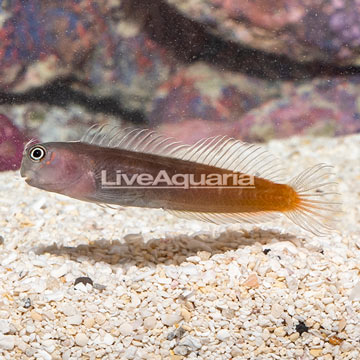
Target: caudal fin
318,208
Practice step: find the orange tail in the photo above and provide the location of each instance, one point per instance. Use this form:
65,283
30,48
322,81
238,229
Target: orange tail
318,208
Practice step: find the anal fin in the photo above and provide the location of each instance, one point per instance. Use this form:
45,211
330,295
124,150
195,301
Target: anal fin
226,218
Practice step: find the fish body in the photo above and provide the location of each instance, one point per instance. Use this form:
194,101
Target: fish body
221,180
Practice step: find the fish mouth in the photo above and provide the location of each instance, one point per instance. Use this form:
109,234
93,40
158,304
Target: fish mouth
27,175
31,179
28,179
53,187
25,172
30,176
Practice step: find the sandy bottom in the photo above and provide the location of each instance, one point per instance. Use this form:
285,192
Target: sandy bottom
157,287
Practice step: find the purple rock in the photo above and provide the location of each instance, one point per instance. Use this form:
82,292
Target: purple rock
58,35
199,92
322,30
11,145
318,107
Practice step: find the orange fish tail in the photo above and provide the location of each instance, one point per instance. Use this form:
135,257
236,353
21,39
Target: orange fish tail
314,206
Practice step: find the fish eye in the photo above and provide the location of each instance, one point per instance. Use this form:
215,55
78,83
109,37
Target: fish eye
37,153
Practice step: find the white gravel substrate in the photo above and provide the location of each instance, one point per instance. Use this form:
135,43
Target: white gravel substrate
167,288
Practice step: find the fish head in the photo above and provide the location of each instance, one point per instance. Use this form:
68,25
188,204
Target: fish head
52,167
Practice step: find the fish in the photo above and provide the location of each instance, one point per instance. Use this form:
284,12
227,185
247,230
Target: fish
218,179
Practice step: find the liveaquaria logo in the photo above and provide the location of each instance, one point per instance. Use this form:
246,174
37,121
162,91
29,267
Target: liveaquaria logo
163,180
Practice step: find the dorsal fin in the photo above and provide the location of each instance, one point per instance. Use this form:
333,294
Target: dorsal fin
139,140
219,151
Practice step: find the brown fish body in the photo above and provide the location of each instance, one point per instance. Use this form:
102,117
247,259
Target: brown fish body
264,195
151,172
